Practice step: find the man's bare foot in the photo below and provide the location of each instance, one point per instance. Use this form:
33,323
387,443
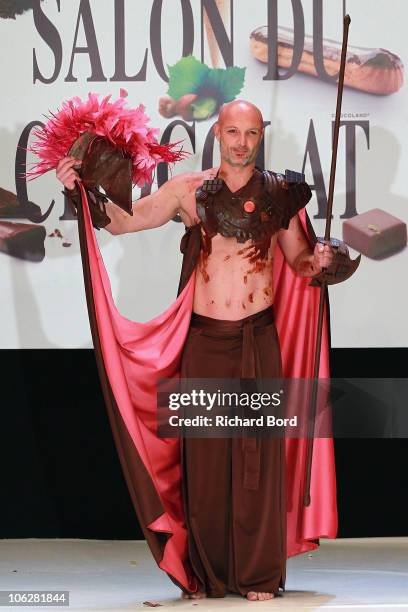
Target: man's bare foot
254,596
196,595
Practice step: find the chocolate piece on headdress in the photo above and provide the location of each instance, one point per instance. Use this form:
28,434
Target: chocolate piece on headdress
106,173
108,167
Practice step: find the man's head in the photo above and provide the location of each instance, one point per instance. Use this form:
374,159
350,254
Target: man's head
239,130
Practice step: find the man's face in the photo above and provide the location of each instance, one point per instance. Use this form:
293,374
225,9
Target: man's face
239,133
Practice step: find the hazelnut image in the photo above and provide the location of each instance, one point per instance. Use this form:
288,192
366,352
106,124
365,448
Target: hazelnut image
184,108
167,106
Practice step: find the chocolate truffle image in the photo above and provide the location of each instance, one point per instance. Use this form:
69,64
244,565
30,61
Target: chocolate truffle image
375,233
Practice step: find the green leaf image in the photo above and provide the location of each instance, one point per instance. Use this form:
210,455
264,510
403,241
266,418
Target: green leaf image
213,86
227,83
186,77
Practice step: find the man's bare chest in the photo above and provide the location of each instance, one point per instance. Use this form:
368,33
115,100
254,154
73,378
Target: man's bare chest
231,250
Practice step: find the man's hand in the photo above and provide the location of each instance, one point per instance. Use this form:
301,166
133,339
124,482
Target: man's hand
67,175
66,171
303,259
322,257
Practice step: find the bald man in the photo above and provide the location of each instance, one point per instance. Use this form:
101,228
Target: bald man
234,215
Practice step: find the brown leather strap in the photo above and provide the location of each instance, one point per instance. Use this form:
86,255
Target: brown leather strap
250,445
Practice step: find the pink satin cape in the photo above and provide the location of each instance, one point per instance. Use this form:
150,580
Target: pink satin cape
135,355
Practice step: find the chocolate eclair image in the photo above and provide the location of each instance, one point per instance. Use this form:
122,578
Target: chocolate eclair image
375,71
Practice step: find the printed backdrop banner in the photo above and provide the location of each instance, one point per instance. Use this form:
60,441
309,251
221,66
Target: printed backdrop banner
181,59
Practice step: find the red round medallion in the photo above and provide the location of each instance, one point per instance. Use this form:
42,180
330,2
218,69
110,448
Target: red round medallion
249,206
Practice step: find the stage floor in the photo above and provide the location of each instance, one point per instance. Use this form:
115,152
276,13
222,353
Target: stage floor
346,574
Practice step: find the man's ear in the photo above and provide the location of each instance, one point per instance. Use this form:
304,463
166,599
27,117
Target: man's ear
216,129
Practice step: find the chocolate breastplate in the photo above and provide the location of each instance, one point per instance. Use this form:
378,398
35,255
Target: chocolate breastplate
257,211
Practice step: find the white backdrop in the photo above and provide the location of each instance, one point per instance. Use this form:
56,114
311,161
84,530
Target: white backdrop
43,304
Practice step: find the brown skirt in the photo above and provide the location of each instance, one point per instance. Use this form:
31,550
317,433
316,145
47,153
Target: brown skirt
234,488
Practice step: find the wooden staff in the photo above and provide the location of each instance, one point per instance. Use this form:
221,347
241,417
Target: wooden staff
323,286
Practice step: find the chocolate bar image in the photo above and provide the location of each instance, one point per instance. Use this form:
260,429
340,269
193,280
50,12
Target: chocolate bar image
375,71
10,206
375,233
22,240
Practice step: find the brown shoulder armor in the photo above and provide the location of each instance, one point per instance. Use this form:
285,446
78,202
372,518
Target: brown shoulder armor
259,209
290,193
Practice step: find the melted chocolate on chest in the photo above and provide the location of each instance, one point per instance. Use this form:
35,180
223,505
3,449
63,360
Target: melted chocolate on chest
248,215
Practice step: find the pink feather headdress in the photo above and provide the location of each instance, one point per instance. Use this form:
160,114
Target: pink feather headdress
125,128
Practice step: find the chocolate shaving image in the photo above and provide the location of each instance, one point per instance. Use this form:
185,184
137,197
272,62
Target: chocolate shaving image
22,240
375,71
11,208
10,8
55,233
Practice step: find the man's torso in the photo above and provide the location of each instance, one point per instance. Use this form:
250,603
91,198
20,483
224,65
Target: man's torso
233,279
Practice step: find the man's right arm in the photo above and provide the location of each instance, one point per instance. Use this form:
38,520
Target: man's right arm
148,212
175,196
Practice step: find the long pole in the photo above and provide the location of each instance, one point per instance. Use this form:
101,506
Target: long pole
323,286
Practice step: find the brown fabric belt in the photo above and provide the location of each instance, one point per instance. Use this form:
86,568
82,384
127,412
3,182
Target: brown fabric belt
242,328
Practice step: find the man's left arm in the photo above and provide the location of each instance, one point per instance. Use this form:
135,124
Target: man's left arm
304,260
